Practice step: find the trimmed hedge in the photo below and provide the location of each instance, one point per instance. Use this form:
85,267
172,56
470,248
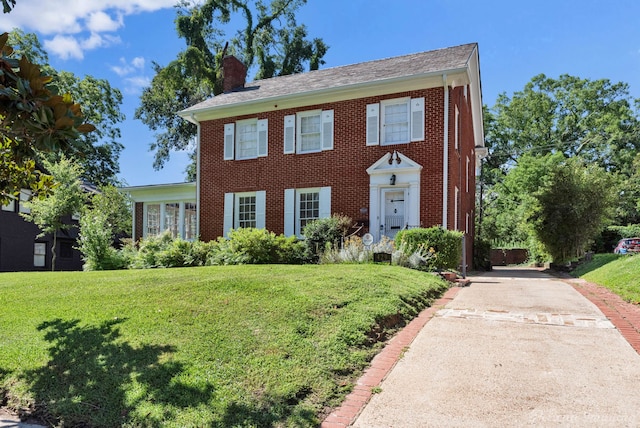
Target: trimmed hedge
447,245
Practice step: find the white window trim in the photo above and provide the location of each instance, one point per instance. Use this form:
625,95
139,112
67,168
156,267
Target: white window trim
292,131
292,208
239,125
299,117
39,254
25,196
10,207
231,220
162,225
415,130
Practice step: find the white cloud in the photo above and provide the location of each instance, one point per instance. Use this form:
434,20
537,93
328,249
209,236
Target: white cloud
78,25
64,46
124,68
136,84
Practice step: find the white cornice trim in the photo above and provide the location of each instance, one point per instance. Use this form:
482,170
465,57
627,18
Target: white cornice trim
322,96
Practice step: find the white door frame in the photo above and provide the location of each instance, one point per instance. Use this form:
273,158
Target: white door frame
406,176
383,208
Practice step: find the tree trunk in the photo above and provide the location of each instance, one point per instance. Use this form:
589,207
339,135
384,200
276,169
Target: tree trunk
53,252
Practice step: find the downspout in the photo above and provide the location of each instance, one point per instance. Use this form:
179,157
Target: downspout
193,119
133,220
445,154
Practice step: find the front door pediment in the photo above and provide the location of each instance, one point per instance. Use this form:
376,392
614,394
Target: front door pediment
394,163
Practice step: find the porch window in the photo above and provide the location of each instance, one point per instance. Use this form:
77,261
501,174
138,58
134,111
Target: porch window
172,218
153,219
190,217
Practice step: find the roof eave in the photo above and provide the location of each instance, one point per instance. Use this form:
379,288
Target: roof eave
325,95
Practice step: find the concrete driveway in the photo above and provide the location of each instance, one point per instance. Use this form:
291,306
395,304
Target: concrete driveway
516,348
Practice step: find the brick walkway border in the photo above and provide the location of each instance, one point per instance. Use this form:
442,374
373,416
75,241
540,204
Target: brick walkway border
625,316
382,364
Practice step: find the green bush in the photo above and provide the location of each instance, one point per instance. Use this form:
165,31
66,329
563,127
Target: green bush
256,246
446,245
95,243
482,254
325,233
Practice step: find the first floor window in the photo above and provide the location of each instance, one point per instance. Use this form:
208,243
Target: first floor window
242,210
245,211
190,219
153,219
39,254
308,208
302,206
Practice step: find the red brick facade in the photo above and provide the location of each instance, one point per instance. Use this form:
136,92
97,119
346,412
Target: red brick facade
344,167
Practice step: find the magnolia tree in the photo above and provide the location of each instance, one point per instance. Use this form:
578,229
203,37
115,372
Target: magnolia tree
33,119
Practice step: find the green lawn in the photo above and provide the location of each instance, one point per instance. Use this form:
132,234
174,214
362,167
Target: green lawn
217,346
620,274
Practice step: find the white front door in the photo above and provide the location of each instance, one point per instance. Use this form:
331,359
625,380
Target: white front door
393,212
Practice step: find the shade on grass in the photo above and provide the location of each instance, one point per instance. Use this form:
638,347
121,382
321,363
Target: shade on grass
215,346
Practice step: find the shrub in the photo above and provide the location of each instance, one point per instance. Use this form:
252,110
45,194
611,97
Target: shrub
94,242
482,254
256,246
446,245
325,233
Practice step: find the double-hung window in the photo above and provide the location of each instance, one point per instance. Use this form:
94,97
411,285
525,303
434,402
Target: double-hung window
308,131
396,121
246,139
304,205
245,213
242,210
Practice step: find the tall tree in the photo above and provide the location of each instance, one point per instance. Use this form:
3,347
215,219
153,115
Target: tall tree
33,120
67,198
99,151
269,39
594,120
572,207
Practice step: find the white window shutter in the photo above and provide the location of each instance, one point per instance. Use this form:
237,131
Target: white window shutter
228,213
229,141
373,124
289,211
263,135
261,206
325,202
289,134
327,130
417,119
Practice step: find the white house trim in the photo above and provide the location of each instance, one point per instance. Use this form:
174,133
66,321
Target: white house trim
407,178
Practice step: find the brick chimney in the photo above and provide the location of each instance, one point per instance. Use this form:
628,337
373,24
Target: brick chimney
234,74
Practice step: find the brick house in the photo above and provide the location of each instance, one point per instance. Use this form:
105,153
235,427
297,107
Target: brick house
391,143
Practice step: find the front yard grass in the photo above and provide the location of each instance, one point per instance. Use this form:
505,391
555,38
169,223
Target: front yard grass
619,273
269,345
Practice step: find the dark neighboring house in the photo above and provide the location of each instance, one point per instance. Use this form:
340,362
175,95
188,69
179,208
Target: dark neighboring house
22,250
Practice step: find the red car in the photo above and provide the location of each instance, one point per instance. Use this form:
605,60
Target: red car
628,245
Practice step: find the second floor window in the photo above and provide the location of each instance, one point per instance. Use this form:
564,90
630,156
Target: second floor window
308,131
246,139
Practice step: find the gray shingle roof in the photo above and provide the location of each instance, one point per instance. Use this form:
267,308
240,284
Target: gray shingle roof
366,72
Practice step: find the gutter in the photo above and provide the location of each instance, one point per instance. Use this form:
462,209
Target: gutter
194,120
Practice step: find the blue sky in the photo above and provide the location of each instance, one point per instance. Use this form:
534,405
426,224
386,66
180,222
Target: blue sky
118,40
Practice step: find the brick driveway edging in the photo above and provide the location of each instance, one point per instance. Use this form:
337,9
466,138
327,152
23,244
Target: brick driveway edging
625,316
382,364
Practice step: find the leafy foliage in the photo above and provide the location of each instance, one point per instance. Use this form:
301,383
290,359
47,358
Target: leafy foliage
571,208
33,120
268,38
66,198
446,245
97,151
325,233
